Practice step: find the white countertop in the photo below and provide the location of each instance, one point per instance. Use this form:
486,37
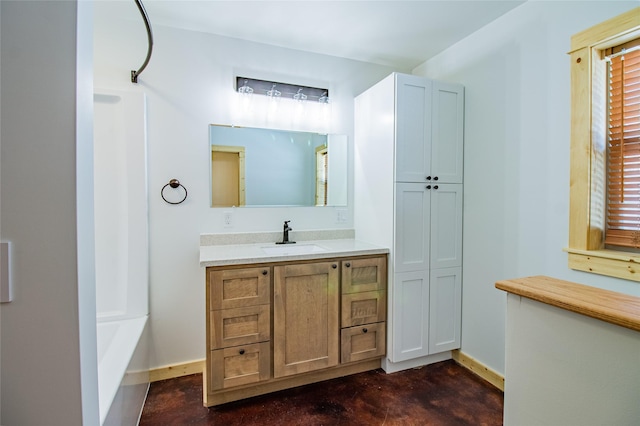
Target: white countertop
241,254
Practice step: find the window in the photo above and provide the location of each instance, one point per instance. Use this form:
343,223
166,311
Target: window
589,140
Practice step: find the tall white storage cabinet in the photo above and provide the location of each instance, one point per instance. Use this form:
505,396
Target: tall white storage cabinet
408,197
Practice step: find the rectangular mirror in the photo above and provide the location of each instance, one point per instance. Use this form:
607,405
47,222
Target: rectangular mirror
267,167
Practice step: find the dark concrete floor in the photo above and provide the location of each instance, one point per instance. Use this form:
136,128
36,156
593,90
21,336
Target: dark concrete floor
438,394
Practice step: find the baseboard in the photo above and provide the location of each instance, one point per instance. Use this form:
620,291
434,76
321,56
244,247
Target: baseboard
496,379
176,370
195,367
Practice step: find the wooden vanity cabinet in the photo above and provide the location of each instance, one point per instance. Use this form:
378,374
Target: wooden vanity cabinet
276,326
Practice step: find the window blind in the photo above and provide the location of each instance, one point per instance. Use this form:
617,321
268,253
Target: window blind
623,157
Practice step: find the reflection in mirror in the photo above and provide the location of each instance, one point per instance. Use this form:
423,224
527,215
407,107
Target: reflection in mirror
266,167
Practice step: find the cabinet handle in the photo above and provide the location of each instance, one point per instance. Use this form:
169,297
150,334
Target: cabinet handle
429,178
435,187
347,264
364,330
265,272
428,186
435,178
334,266
241,351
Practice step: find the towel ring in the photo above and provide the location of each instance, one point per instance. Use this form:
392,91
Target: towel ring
173,183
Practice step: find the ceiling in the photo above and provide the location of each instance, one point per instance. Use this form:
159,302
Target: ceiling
400,34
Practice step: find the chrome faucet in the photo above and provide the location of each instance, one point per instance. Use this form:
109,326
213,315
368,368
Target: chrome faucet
285,234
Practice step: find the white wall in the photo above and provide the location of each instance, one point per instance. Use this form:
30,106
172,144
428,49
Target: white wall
189,85
517,116
47,215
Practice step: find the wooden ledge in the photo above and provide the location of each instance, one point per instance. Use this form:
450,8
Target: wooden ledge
610,306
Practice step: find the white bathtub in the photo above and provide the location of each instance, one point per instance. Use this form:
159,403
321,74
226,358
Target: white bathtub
123,376
122,254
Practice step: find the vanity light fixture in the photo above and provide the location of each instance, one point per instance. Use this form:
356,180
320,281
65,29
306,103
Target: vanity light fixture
300,97
274,93
246,93
276,89
324,99
245,89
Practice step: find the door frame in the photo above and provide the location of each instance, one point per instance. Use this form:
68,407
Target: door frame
241,165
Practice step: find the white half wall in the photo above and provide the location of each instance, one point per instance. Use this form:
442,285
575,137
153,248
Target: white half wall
189,84
517,121
565,368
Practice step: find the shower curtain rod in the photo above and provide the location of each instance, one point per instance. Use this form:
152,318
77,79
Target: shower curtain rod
145,17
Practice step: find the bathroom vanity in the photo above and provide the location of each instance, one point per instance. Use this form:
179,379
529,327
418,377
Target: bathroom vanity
284,316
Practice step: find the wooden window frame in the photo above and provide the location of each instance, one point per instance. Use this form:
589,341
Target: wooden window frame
586,220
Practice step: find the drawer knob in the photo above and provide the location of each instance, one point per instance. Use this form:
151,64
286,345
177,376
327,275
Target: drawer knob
334,266
435,187
241,351
265,272
364,330
435,178
428,186
428,177
348,265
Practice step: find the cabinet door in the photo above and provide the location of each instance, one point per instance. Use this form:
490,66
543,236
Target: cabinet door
306,331
364,308
445,300
446,226
239,326
413,218
447,132
239,365
364,342
368,274
410,336
236,288
413,128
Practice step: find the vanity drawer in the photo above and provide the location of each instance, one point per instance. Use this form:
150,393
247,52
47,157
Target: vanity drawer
367,274
235,288
240,326
240,365
364,308
363,342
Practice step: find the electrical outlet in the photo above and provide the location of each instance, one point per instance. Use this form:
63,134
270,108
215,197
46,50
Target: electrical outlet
228,219
341,215
6,283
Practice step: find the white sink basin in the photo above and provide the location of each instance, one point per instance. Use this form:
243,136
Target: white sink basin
288,249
